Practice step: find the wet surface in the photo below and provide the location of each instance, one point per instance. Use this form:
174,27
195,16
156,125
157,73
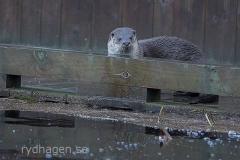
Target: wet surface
48,84
38,135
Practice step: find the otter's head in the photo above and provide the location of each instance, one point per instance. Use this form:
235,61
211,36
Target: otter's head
122,43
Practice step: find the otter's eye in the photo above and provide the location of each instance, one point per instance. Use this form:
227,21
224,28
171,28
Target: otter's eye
119,39
131,38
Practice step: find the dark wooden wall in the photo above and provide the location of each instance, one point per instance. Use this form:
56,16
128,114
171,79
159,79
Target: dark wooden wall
84,25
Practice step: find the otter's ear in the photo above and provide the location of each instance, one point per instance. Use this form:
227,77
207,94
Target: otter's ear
111,36
134,32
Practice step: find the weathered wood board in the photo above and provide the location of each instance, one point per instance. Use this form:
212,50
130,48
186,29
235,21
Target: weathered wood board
138,14
163,18
76,24
229,103
10,21
84,25
189,20
2,82
107,15
150,73
3,91
31,22
108,90
50,23
220,31
237,59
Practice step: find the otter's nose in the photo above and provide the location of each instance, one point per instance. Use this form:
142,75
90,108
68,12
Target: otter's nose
125,43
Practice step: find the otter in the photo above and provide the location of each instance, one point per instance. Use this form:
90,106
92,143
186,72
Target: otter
123,43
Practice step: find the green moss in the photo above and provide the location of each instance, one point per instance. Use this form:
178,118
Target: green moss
25,98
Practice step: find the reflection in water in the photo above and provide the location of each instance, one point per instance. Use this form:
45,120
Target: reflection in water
33,119
39,135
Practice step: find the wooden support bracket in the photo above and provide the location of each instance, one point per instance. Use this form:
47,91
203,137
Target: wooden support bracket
13,81
153,95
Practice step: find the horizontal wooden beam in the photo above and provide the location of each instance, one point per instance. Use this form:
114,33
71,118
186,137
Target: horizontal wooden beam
149,73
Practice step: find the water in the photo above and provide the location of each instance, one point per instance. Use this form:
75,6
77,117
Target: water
38,135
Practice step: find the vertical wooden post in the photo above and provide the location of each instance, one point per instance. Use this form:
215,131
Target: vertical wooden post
153,95
13,81
3,92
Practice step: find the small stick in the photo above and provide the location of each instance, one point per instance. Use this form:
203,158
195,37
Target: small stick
208,119
167,134
160,112
211,116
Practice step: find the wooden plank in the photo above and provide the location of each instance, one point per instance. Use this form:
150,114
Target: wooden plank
76,24
2,82
106,90
31,18
189,20
229,103
149,73
220,31
237,60
106,17
50,23
4,94
163,18
10,18
138,14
